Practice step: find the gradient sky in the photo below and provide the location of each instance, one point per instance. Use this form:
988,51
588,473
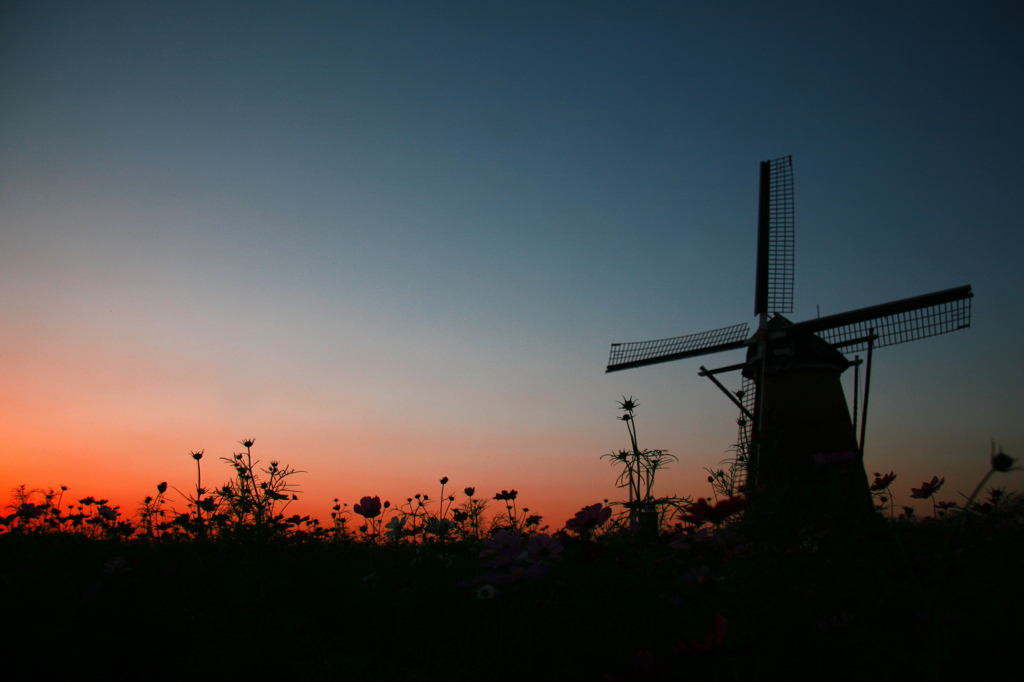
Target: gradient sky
394,241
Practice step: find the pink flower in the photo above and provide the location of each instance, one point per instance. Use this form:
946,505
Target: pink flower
588,518
543,547
368,507
927,489
503,549
882,482
701,511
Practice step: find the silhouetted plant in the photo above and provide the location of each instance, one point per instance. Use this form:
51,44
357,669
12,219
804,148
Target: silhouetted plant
470,516
639,470
339,531
732,480
251,505
151,514
880,491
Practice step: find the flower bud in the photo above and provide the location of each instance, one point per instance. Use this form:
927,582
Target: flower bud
1002,462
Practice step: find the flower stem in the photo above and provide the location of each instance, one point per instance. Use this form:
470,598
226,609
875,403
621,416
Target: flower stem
978,489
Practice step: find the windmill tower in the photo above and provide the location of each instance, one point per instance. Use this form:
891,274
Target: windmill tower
795,426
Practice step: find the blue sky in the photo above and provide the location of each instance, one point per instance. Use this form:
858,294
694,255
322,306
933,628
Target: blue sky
395,241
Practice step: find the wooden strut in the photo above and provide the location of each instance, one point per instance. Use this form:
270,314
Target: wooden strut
867,387
755,439
856,380
710,374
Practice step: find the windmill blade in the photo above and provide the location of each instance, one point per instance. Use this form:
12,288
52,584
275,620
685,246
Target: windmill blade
640,353
773,288
897,322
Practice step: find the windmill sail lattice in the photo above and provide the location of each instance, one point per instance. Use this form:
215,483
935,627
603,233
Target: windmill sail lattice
893,323
640,353
774,281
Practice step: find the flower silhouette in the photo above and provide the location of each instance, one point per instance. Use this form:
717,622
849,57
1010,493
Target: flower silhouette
1002,462
927,489
395,527
701,510
588,519
368,507
882,482
543,547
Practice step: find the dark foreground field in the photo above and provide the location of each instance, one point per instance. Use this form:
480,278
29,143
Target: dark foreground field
929,599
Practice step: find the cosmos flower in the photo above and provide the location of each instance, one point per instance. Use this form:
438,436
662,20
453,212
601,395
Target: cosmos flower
882,482
502,549
368,507
588,518
701,510
543,547
395,527
1002,462
439,527
487,592
927,489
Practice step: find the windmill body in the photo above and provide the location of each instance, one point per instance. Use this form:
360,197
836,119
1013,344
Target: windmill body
795,426
808,446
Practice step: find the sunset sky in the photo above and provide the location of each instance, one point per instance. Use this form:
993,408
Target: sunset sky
394,241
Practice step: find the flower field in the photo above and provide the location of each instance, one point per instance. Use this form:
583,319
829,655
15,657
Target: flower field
466,586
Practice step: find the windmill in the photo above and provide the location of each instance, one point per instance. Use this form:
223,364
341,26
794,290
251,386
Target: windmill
795,426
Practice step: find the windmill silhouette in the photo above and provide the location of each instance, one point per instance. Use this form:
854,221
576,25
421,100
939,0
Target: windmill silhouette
795,426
